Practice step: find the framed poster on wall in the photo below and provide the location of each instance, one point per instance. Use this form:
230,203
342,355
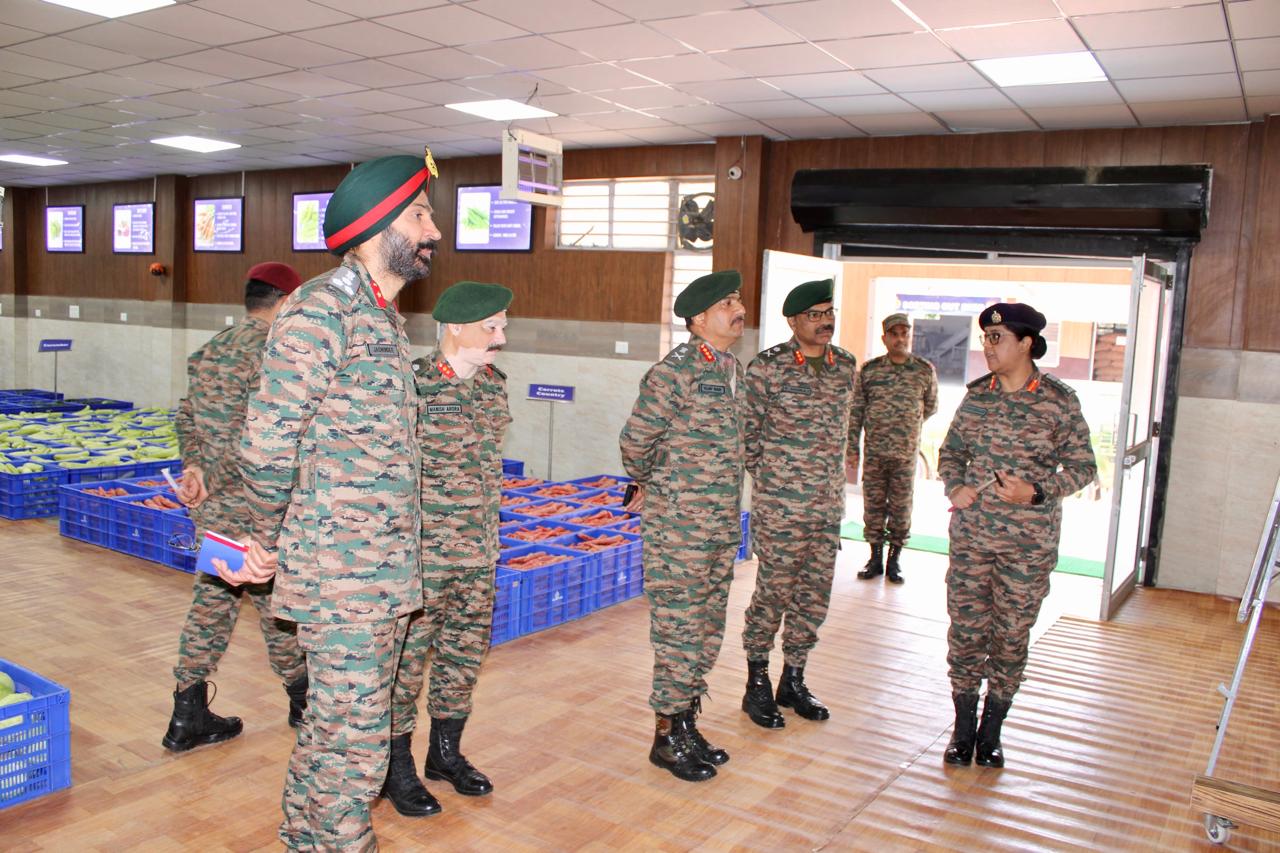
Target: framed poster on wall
64,228
133,228
219,225
308,221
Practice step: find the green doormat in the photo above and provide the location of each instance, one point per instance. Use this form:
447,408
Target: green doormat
939,545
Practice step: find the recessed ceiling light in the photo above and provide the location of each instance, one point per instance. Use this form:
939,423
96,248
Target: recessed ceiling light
112,8
28,160
502,109
196,143
1043,70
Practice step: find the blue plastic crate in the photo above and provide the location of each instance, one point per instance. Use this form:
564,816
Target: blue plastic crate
32,495
512,500
620,516
512,466
35,738
137,530
506,605
31,392
620,481
552,594
619,571
521,513
507,540
744,550
100,403
532,491
88,517
104,473
178,536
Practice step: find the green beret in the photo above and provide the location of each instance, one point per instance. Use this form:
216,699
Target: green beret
805,296
369,199
706,291
471,302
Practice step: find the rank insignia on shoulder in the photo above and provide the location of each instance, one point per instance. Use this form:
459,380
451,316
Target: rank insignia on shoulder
382,350
345,280
679,352
799,357
445,369
831,357
707,354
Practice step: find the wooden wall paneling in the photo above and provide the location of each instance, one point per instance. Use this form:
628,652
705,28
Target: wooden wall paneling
992,150
1262,300
1182,145
1064,148
1140,146
643,162
1103,147
12,242
1248,222
1212,293
739,227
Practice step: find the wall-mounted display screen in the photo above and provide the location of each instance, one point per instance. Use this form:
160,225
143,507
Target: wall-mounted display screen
308,221
219,224
64,228
487,223
133,228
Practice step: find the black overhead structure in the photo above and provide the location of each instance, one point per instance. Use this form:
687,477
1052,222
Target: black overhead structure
1105,211
1108,211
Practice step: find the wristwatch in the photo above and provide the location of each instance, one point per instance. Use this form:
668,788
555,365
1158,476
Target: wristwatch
1038,497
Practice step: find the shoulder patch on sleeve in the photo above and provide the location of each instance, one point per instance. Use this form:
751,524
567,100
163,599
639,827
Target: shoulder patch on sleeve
679,353
497,373
344,281
979,383
1057,384
420,366
844,353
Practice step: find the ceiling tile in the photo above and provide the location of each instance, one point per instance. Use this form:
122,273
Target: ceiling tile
9,80
628,120
728,91
649,97
765,110
283,16
1096,7
118,85
65,95
45,17
375,101
1263,106
1258,54
13,35
1195,88
783,59
726,30
323,108
528,53
380,123
376,8
944,14
1025,39
929,78
1254,18
820,127
152,109
625,41
595,77
1213,57
65,120
224,63
549,16
652,10
888,51
445,63
1063,95
119,36
266,117
293,52
189,22
896,124
959,100
452,25
864,105
249,94
33,66
105,114
559,124
366,38
690,68
1145,29
74,53
436,117
741,127
838,19
1190,112
438,93
669,135
32,101
171,76
307,84
372,74
574,104
512,85
603,138
697,114
830,84
1261,83
976,121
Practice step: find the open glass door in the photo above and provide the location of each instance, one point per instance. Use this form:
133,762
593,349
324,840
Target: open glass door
1137,431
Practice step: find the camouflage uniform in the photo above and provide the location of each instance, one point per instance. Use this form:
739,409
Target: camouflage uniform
796,434
890,402
1002,553
220,377
460,428
331,468
683,443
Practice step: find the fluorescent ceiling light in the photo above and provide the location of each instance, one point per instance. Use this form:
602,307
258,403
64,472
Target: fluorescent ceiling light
28,160
502,109
1046,69
112,8
196,143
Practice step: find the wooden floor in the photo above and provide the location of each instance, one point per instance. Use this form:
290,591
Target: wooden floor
1103,741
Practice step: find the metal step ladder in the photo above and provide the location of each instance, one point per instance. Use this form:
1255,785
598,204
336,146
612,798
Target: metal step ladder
1226,803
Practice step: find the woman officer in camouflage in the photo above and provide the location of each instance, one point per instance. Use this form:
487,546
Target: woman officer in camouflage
1017,446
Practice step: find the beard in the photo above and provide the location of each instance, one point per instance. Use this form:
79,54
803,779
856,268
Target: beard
400,257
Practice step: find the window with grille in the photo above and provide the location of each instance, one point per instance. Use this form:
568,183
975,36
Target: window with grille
626,215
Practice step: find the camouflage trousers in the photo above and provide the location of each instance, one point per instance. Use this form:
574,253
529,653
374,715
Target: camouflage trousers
887,486
339,760
453,629
793,579
215,606
687,584
994,593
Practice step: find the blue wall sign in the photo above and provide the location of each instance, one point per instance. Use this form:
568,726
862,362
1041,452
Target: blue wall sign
555,393
55,345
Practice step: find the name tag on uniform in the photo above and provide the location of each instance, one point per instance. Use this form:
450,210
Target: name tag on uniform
973,410
383,350
453,409
797,389
714,390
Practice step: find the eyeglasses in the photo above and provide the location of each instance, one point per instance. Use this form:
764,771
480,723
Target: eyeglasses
815,316
992,338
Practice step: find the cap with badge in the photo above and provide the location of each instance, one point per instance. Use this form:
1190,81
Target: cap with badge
705,291
898,319
371,196
805,296
1012,313
471,302
280,276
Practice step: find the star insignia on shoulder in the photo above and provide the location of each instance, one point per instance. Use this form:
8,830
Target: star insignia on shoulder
346,281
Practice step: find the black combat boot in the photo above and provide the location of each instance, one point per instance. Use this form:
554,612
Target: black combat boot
875,566
402,786
672,751
446,763
193,724
297,691
794,693
965,731
892,572
990,753
758,701
706,753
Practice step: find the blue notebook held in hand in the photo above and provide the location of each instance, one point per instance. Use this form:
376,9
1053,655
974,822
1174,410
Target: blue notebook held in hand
223,548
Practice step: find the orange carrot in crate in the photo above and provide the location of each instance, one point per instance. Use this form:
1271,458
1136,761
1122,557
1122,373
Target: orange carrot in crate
561,490
548,509
536,560
604,499
602,483
520,482
596,519
514,500
537,534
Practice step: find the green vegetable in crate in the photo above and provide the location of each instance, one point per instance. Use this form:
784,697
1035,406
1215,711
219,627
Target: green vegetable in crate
13,699
25,468
6,684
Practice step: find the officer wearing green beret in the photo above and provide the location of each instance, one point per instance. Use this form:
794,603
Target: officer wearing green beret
683,446
797,417
331,467
462,416
1018,446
